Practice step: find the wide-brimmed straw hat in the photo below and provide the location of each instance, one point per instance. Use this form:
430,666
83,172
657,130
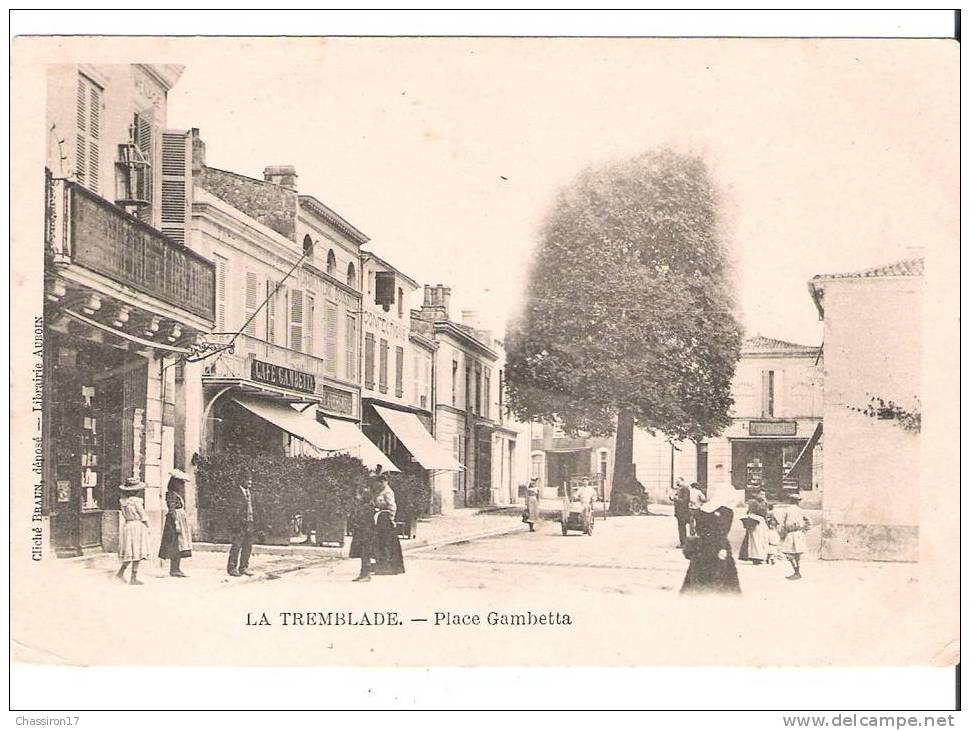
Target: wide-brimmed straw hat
132,484
721,496
179,474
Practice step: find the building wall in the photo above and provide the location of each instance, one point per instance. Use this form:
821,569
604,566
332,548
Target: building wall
651,455
449,427
872,347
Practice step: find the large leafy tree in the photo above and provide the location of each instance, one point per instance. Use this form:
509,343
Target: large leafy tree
630,315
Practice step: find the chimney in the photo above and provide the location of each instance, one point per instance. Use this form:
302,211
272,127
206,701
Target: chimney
282,175
198,152
437,299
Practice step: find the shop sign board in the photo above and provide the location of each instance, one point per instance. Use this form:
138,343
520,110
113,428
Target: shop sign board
282,377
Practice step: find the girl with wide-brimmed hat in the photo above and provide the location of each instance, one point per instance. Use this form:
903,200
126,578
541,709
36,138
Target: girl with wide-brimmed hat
177,532
133,542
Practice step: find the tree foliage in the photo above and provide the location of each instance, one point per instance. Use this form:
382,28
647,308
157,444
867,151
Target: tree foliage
630,304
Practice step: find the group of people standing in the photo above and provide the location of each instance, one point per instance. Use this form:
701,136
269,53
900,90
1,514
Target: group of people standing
704,521
375,539
133,540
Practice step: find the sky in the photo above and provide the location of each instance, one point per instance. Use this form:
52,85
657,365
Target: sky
831,156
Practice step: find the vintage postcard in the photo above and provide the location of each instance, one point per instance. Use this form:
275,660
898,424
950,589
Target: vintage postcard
484,351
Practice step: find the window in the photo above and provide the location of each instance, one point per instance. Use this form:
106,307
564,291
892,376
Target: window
307,245
271,311
454,383
330,337
604,465
768,393
536,428
252,296
382,374
370,282
309,323
331,263
222,267
296,319
399,371
501,394
416,376
140,185
350,348
351,275
369,361
88,159
426,382
400,302
486,391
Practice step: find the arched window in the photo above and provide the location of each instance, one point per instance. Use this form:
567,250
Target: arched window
351,275
331,263
307,244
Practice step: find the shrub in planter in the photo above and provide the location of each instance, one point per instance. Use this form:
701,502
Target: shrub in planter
412,493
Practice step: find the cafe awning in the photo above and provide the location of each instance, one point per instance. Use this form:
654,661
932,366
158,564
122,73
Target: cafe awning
416,439
301,425
362,447
808,448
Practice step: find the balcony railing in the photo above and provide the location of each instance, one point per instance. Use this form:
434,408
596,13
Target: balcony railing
96,234
249,348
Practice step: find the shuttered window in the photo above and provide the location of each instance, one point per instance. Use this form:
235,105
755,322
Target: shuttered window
143,187
222,266
382,383
252,301
176,183
271,295
330,337
350,349
88,157
309,323
369,361
399,371
296,319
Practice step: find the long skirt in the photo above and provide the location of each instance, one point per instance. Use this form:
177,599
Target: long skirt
390,561
174,544
133,542
709,573
755,543
532,509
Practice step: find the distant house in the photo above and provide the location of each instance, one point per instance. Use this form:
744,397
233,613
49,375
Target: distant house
872,350
774,440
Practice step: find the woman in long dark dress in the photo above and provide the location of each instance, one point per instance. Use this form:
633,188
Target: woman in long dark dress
712,568
390,560
362,544
177,532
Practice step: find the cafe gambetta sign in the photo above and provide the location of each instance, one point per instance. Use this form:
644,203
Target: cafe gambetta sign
282,377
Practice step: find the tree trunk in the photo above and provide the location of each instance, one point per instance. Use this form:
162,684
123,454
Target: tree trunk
624,478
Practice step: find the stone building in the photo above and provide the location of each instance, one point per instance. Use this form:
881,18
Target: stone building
872,353
126,296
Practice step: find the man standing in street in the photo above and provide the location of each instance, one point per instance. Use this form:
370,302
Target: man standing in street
243,527
680,497
695,500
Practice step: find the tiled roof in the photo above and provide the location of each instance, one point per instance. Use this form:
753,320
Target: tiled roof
769,344
907,267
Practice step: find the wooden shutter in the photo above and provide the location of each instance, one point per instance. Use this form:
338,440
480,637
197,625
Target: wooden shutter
399,371
296,319
350,349
252,301
369,360
221,269
176,184
330,337
382,373
271,311
144,188
88,157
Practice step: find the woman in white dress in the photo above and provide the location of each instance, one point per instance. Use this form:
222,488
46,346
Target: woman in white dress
531,516
794,523
133,544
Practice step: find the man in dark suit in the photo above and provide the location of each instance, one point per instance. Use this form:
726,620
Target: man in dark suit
242,524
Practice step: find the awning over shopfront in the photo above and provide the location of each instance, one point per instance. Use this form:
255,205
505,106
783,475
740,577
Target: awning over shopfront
362,447
807,449
301,425
416,439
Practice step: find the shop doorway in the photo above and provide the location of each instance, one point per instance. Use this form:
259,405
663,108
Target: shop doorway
767,465
95,436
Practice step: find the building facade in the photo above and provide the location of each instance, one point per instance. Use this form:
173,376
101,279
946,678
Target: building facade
125,296
774,441
872,350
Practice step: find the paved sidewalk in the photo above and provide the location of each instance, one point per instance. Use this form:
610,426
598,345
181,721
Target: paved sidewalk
269,562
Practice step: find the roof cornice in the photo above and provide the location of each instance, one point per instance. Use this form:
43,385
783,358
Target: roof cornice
334,219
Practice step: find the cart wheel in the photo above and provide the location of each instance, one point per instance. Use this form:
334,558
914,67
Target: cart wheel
564,529
636,506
